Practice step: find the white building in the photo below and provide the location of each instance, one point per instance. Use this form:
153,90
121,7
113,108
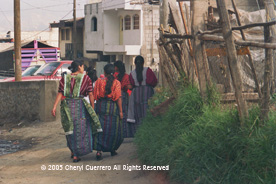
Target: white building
121,30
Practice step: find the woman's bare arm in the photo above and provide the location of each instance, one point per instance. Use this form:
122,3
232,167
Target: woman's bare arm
58,98
91,98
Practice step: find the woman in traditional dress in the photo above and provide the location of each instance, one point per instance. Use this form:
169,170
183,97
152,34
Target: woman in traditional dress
107,93
78,118
143,81
120,75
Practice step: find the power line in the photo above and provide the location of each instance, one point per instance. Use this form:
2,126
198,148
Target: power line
47,27
39,7
6,18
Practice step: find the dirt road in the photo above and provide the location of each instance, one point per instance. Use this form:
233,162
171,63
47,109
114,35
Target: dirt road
49,149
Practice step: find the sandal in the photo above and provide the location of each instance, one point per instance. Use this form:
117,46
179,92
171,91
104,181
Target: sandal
113,153
99,156
76,159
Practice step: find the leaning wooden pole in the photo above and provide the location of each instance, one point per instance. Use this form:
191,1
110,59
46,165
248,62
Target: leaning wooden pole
199,7
249,55
232,59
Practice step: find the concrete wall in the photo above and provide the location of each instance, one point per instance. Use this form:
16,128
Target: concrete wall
29,100
151,21
132,36
111,28
93,40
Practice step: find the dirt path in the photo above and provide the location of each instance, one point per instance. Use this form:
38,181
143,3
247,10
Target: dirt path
49,150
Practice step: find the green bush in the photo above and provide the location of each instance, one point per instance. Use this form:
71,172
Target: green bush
205,144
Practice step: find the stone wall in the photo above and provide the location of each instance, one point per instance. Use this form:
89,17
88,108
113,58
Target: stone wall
149,48
28,100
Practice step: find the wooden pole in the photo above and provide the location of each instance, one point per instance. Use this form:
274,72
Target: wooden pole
238,42
74,31
249,55
199,7
267,78
187,32
268,62
269,6
232,60
17,41
164,14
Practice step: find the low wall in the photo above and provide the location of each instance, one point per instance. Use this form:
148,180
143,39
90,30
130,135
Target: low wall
28,100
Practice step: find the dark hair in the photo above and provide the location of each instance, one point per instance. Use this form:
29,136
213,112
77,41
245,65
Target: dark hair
109,71
122,70
75,65
92,73
139,62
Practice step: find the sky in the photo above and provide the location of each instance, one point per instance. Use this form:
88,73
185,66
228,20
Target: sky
37,14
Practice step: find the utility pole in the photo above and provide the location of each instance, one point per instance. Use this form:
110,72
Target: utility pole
74,31
17,40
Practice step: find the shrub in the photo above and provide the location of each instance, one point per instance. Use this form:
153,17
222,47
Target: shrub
205,144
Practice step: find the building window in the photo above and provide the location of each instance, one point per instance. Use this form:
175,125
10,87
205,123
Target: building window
63,34
85,10
90,8
97,8
127,22
67,34
94,24
136,21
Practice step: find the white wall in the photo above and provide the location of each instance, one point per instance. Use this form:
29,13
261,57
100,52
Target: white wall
117,4
111,28
132,36
93,40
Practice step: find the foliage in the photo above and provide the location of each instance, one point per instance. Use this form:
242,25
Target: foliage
205,144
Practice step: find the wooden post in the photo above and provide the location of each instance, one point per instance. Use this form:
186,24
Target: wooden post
268,64
189,41
232,59
269,6
17,40
74,31
164,14
206,65
199,8
249,55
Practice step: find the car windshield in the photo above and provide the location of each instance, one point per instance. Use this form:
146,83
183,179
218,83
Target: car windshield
47,69
30,70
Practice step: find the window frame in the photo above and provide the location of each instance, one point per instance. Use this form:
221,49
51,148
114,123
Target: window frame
94,24
127,23
137,25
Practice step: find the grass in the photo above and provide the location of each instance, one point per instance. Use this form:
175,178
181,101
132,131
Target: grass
204,143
